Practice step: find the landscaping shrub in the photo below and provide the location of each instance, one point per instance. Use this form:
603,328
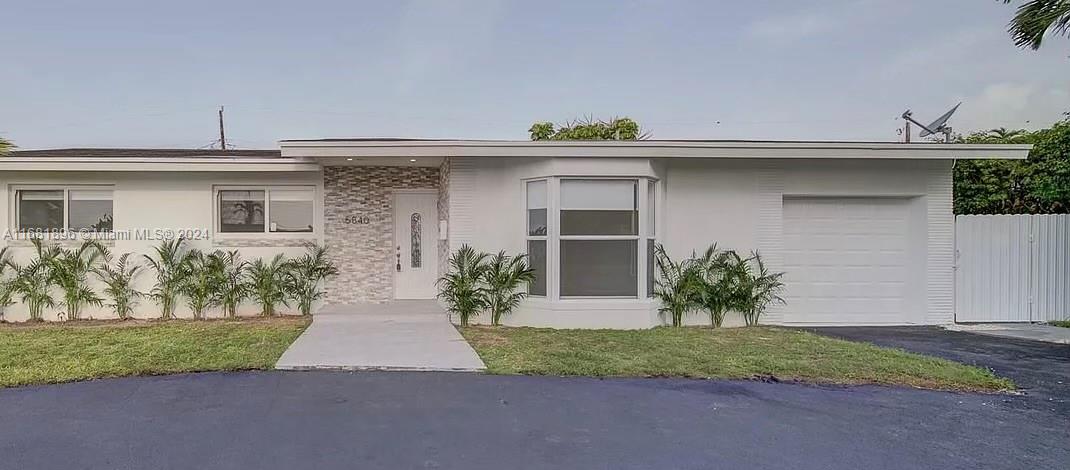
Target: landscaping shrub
200,285
303,276
503,277
233,281
717,282
267,283
7,283
33,282
462,287
171,271
118,282
70,269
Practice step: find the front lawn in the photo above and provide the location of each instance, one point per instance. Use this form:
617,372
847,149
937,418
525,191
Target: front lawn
1060,323
733,353
47,353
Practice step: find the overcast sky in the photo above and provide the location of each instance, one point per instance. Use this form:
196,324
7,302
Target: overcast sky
141,73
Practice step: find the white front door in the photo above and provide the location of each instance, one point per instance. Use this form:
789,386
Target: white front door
415,245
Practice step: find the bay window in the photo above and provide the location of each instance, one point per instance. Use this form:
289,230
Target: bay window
537,233
600,231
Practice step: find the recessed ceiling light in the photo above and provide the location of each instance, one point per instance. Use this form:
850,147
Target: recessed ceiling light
412,160
349,159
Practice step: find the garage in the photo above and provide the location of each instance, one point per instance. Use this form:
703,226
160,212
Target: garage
853,260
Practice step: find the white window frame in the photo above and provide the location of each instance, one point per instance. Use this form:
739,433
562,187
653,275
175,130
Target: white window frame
266,188
544,238
553,238
66,188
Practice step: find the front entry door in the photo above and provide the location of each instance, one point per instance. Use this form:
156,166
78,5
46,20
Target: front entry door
415,245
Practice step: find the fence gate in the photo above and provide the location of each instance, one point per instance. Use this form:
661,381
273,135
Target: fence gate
1012,268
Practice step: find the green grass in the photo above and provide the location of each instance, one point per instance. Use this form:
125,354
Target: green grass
734,353
46,353
1062,323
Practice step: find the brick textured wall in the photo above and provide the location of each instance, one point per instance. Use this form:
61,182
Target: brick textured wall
364,253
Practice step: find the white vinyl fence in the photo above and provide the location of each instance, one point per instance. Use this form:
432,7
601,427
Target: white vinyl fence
1012,268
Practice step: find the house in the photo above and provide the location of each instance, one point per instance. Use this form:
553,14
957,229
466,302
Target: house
864,231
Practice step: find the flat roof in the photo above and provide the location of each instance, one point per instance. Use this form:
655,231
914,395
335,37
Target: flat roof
145,153
412,148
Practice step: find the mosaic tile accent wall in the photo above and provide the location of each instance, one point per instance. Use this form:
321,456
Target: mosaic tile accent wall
359,227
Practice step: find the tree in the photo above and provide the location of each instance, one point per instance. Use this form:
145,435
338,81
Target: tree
1035,18
5,146
589,129
1038,185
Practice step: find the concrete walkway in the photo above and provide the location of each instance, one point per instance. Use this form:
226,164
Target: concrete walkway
399,335
1029,331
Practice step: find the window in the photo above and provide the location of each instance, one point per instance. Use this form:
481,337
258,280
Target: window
288,209
649,227
291,209
596,238
71,208
599,233
537,232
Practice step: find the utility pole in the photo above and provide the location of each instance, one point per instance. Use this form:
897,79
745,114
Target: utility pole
222,133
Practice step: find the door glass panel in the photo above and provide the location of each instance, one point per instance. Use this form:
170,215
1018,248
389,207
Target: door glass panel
416,252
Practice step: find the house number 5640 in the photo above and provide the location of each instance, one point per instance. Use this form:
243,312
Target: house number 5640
360,220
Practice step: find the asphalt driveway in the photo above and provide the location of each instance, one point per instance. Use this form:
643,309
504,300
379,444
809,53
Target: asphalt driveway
1041,370
334,420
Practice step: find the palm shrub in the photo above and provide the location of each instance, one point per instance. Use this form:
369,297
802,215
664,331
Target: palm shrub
118,279
677,284
462,287
7,284
70,269
233,288
758,289
171,270
34,281
719,272
303,276
503,276
201,282
267,283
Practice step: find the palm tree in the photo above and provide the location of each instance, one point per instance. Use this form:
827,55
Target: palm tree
267,283
70,271
758,289
33,282
1004,134
171,270
677,285
118,279
462,288
7,286
304,274
201,282
6,146
504,276
719,278
1035,18
233,287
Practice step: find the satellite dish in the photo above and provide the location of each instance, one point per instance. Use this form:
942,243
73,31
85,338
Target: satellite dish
939,126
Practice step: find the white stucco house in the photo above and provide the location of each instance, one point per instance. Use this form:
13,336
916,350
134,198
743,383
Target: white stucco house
864,231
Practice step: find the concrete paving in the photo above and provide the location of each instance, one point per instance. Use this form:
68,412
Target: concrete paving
400,335
1029,331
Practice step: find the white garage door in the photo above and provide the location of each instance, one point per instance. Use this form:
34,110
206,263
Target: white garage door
849,262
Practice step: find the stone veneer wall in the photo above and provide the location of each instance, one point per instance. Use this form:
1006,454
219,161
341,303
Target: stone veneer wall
444,214
364,253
